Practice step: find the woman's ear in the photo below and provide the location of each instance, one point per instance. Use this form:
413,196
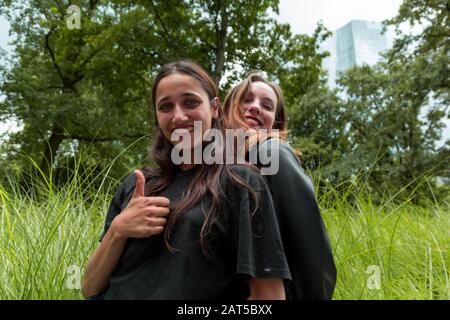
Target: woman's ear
215,105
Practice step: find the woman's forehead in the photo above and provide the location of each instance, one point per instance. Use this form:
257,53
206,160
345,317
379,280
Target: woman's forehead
262,89
178,84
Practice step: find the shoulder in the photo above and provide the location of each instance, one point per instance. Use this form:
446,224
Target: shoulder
247,174
118,200
126,187
275,155
129,182
290,170
281,147
243,170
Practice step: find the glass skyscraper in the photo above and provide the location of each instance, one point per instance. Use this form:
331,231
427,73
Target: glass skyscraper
356,43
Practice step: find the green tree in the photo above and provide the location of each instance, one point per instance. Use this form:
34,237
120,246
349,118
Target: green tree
318,129
385,122
71,83
397,107
425,55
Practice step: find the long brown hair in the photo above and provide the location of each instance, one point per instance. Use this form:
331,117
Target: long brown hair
207,178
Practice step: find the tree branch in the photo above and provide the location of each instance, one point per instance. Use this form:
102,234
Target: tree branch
92,55
169,40
221,34
92,5
52,56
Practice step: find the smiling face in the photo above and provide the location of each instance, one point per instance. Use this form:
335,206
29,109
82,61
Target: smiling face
181,100
259,106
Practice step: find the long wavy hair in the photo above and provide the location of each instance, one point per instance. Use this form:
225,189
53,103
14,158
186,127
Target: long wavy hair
207,179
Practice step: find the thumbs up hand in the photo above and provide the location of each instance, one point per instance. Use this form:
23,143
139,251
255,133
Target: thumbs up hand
144,216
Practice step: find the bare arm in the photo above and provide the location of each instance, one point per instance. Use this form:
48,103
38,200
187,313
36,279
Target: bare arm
266,289
102,263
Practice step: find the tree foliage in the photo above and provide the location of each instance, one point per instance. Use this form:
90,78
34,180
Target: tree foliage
384,121
397,107
72,88
88,89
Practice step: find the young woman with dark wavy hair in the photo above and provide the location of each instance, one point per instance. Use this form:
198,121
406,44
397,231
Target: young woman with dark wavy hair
185,231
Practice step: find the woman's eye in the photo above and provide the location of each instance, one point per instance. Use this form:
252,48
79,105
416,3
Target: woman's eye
191,103
268,107
164,107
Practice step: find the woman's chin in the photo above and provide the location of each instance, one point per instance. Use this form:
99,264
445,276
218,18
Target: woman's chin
252,125
257,127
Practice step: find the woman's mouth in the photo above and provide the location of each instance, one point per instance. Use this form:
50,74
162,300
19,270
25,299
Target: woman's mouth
188,128
252,121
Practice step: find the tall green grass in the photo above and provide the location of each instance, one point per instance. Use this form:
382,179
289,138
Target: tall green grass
389,248
403,247
46,236
392,250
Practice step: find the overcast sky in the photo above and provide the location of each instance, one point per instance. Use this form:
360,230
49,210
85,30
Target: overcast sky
4,28
303,15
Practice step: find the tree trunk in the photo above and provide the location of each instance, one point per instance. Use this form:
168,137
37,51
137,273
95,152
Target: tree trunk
221,32
51,147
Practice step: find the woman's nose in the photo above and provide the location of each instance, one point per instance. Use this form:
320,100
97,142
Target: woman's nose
178,114
254,108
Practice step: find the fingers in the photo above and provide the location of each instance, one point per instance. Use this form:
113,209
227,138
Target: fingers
156,222
158,211
140,184
158,201
155,230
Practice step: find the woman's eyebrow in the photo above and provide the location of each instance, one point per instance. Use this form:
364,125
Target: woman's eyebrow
190,94
163,99
268,99
186,94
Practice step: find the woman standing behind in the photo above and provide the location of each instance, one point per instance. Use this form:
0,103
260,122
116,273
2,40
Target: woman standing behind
184,231
258,104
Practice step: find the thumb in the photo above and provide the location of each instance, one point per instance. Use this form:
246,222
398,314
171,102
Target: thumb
140,183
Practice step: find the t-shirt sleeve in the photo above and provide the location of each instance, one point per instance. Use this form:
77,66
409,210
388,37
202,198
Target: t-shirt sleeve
256,238
117,203
305,238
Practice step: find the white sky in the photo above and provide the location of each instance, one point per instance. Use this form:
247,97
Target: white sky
303,15
4,28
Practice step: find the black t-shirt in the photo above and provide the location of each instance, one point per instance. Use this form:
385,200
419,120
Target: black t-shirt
238,244
303,232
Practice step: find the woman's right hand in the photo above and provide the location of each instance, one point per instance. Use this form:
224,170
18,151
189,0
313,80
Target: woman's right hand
144,216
